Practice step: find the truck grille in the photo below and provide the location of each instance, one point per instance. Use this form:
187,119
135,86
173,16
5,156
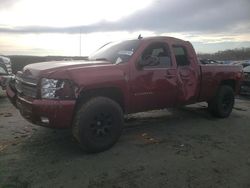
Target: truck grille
26,86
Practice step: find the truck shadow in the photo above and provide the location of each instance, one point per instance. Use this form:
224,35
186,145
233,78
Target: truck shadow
60,142
179,114
49,141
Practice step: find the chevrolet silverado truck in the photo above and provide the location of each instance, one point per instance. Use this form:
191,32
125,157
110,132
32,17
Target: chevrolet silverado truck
92,96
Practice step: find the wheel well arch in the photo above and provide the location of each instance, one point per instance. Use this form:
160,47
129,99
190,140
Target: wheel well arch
113,93
229,82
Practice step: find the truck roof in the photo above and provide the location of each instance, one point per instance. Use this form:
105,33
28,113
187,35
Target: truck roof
172,39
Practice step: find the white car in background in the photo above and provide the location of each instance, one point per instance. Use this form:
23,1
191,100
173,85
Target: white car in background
5,71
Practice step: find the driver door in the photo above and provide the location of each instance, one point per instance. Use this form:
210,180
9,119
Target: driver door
154,86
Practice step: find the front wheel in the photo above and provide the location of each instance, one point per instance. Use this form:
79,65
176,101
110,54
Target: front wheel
98,124
222,104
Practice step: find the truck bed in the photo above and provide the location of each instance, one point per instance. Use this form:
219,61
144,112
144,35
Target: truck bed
212,76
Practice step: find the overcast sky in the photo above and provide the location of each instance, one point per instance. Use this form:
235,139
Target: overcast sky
46,27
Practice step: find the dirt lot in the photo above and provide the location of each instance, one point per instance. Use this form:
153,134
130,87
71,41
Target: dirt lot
178,148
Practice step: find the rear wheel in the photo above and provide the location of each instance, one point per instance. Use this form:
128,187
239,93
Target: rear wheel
222,104
98,124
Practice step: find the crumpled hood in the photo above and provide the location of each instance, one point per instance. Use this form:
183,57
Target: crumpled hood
38,69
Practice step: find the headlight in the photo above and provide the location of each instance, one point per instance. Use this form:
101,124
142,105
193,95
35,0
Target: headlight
49,88
56,89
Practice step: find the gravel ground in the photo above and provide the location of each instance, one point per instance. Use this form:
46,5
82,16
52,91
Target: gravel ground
177,148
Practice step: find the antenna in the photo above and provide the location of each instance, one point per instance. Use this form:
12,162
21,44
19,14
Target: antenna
80,47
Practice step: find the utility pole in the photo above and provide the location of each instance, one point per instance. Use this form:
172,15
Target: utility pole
80,47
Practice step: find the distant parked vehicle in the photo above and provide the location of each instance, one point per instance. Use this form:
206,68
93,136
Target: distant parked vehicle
67,59
5,71
226,62
246,64
245,86
242,63
208,61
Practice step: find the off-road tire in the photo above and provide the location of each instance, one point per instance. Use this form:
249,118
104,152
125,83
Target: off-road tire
98,124
222,104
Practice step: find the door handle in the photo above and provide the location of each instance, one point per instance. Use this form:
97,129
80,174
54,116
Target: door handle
169,76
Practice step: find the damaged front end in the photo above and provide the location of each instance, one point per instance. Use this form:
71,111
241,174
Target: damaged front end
43,101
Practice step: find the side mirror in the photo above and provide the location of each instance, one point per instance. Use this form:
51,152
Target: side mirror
149,61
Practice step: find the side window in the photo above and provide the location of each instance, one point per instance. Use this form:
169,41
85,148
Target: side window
160,51
180,56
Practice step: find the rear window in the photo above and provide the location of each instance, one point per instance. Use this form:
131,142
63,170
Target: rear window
180,55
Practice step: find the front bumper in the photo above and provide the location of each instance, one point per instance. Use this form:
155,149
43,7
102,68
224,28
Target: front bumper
47,113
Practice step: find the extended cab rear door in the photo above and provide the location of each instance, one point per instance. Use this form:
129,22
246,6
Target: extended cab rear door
153,86
188,73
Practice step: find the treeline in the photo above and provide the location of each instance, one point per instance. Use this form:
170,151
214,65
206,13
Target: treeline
227,55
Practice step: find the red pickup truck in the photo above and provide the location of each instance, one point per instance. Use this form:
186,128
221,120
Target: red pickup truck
125,77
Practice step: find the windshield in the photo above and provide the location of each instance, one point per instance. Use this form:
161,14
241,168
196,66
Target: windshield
116,52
